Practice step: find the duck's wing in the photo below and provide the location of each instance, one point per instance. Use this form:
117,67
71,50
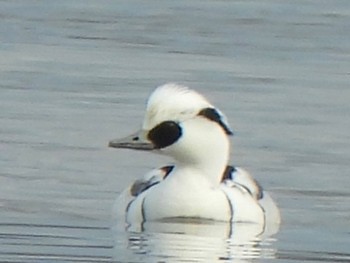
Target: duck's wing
238,179
149,180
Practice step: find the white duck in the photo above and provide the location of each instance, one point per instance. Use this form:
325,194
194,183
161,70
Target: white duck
181,123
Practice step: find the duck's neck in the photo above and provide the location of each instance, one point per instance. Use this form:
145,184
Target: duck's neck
208,160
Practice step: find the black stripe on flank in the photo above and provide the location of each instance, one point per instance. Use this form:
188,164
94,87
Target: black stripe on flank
264,213
230,205
165,134
127,209
143,212
213,115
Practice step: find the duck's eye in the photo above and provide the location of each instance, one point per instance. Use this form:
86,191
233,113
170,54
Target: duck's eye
214,115
165,134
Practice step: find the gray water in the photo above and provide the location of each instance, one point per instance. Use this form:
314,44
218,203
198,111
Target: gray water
75,74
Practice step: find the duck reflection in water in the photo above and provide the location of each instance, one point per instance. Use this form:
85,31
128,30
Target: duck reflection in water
194,241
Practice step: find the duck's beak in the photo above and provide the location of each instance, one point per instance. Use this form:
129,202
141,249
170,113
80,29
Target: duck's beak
135,141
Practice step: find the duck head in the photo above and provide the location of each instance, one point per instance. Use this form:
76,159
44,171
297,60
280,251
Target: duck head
181,123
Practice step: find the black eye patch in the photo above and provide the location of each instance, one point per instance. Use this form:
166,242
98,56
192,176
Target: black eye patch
213,115
165,134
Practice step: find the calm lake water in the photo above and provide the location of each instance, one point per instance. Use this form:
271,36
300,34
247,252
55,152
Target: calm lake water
75,74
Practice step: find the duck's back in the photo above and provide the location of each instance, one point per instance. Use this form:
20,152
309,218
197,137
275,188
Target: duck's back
237,179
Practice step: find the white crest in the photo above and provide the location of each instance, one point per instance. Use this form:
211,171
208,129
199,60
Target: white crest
173,102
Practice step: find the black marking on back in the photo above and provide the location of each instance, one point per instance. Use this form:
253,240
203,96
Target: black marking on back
246,188
260,194
213,115
138,188
167,169
227,175
165,134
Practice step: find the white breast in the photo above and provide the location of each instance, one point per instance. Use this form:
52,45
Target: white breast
195,198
